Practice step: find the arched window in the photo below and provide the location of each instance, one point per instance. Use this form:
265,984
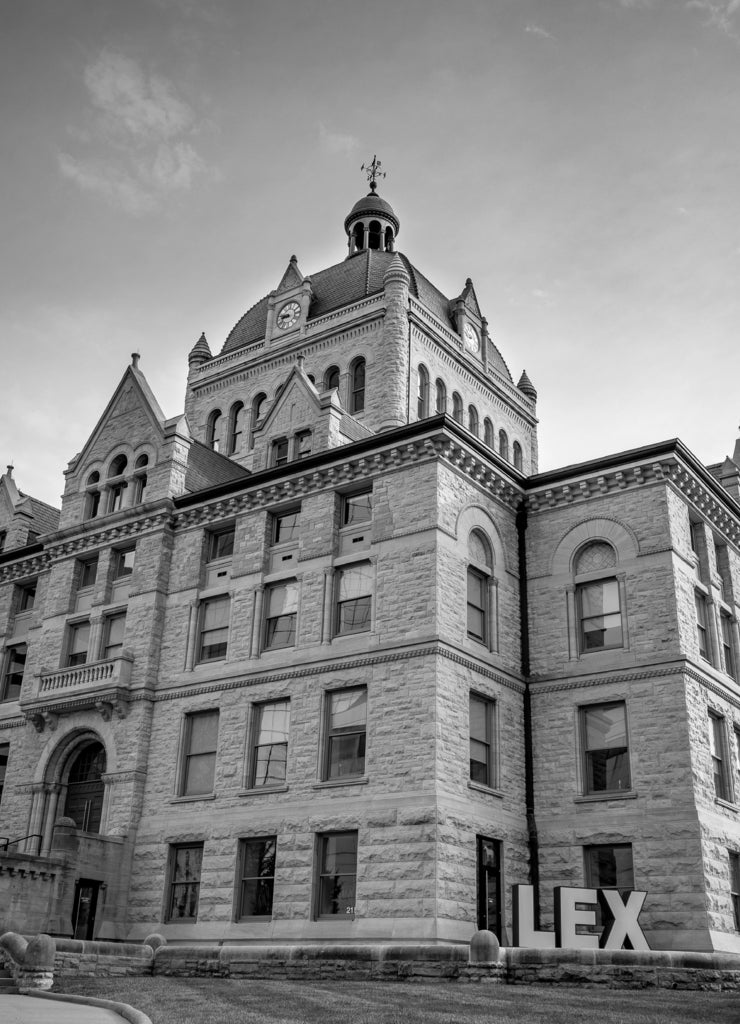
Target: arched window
212,429
374,235
457,407
92,498
422,397
84,801
473,423
236,427
597,600
359,235
118,466
357,386
258,403
517,448
503,445
140,478
488,432
441,396
389,239
331,378
480,571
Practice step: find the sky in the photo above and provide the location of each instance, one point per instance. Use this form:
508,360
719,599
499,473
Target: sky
161,160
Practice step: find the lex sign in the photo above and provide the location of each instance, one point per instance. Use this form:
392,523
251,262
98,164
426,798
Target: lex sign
621,929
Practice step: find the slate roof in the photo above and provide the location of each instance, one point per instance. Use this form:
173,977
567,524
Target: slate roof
347,282
207,468
45,517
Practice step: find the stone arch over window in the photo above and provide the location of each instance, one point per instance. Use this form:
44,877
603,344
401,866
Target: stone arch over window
116,485
441,396
118,466
422,395
236,428
473,421
213,427
613,532
517,455
331,378
488,432
71,778
457,407
503,445
357,377
480,596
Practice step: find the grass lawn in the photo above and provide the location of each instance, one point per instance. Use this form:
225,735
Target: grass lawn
203,1001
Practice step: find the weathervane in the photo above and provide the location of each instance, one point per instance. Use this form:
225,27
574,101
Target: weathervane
373,172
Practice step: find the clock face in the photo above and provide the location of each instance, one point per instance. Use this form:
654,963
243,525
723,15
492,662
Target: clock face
472,341
288,315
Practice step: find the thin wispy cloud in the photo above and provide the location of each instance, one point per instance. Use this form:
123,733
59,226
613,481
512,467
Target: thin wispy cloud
138,132
337,143
537,30
719,14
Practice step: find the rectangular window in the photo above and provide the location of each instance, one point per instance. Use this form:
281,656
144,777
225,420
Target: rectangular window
184,882
78,643
303,444
280,451
256,877
213,641
113,632
606,767
354,598
123,563
87,573
26,597
357,509
270,753
482,768
735,887
720,761
199,753
609,867
115,497
702,634
280,616
345,733
337,854
727,646
477,606
600,617
4,752
15,665
285,527
221,544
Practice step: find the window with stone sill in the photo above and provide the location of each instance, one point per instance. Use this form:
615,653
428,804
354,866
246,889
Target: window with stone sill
285,527
78,642
213,633
13,670
728,645
702,627
605,747
281,613
422,392
26,597
123,563
337,874
256,877
213,430
86,573
441,397
219,549
199,745
482,750
183,882
478,580
354,588
357,508
346,725
598,601
269,757
4,755
357,378
280,451
719,756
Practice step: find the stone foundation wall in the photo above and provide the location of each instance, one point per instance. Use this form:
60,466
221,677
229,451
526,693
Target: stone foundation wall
75,958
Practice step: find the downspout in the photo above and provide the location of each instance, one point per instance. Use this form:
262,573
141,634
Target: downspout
532,839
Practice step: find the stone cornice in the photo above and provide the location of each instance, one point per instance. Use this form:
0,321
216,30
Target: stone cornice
85,536
24,567
606,679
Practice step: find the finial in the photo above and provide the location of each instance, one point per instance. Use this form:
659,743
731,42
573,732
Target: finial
301,360
10,469
135,357
373,172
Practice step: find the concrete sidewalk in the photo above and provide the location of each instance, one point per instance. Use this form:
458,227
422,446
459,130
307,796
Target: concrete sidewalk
16,1009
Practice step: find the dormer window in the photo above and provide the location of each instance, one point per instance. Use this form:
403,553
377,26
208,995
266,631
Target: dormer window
280,450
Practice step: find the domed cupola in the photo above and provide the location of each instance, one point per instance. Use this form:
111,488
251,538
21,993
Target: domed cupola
371,223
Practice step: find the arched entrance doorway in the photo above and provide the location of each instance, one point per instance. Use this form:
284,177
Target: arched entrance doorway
84,801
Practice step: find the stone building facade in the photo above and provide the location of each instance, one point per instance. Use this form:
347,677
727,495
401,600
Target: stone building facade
327,659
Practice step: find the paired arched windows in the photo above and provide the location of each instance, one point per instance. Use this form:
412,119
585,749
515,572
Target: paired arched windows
479,576
212,430
236,428
357,386
422,397
441,396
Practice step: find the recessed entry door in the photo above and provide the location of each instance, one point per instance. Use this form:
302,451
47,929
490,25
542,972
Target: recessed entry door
84,907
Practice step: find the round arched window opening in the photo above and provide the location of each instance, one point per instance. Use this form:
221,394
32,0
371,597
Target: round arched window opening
85,789
118,466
